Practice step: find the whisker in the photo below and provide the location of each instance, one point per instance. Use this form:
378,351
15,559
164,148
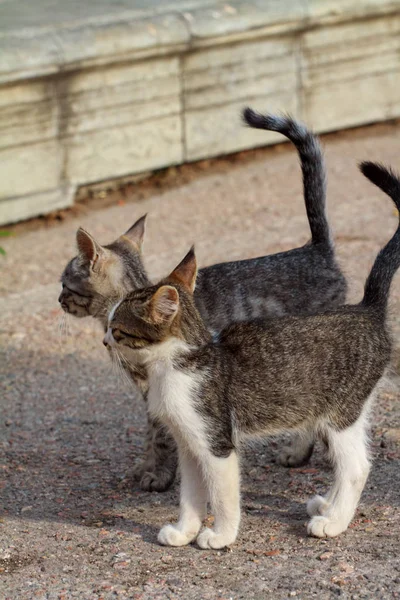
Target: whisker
124,360
63,325
114,362
120,371
58,313
133,373
122,374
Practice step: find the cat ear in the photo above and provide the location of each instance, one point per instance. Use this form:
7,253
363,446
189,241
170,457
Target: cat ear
186,272
164,304
88,246
135,234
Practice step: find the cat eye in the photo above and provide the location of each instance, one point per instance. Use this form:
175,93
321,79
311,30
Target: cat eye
117,335
75,292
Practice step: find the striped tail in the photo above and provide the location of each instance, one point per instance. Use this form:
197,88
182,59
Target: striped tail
377,286
312,166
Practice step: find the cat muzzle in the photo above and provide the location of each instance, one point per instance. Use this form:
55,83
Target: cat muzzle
108,339
61,299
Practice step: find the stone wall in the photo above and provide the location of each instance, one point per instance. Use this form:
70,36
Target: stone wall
82,102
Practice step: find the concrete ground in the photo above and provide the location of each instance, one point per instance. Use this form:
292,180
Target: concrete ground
73,524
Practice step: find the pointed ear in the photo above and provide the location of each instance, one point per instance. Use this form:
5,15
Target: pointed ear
164,304
186,272
135,234
88,246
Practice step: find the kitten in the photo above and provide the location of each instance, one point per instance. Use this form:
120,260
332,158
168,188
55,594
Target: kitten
302,280
259,378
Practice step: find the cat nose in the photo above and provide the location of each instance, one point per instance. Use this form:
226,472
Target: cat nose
60,297
108,339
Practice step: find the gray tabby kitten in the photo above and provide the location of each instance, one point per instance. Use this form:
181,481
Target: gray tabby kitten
259,378
302,280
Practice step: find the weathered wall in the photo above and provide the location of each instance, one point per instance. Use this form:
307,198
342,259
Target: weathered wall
100,100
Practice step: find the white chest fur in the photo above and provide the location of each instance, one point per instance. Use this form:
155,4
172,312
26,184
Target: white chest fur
173,398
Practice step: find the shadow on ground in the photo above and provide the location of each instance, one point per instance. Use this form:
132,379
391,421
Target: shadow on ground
71,436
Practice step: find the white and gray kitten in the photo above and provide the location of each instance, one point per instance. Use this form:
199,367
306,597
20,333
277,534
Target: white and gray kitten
315,372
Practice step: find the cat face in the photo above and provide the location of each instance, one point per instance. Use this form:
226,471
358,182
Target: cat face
94,279
77,290
151,316
143,318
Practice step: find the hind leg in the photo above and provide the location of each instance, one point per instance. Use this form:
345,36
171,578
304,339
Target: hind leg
298,451
349,453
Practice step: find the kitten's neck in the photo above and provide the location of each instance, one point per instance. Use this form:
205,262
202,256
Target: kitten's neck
102,308
136,276
196,336
189,326
164,353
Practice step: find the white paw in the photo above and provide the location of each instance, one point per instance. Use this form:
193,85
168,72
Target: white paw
324,527
170,535
318,505
209,539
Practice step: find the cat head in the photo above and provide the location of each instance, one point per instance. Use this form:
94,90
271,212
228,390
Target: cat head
100,275
160,313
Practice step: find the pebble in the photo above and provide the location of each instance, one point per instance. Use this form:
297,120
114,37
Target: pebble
392,436
346,568
68,569
325,556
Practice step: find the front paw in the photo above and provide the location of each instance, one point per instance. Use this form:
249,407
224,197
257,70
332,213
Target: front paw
321,527
157,480
170,535
209,539
138,470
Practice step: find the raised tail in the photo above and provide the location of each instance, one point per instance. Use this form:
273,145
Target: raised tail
377,286
312,166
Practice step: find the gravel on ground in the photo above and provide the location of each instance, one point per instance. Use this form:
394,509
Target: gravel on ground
73,523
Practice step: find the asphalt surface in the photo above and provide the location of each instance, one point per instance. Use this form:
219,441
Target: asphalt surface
74,524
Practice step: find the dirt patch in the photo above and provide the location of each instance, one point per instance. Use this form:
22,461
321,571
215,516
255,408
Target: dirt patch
11,563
